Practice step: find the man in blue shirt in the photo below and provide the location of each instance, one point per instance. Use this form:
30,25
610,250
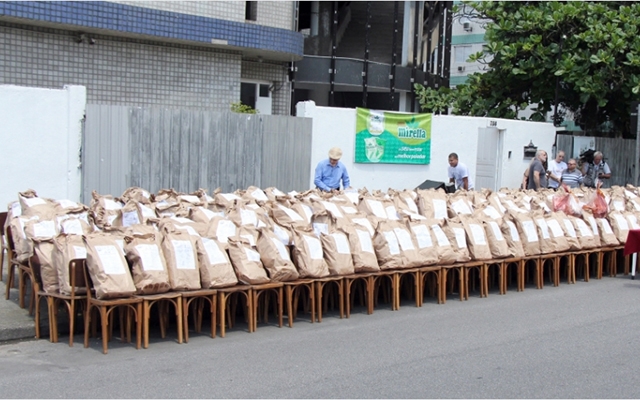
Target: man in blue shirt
329,172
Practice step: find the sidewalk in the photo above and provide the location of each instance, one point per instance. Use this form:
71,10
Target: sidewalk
15,322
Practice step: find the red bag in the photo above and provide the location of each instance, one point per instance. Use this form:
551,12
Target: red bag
598,205
566,202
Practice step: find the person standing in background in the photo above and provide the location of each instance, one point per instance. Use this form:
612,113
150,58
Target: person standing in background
571,176
331,171
537,171
596,170
556,167
459,173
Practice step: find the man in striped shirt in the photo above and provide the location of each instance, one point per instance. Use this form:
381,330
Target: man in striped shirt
571,176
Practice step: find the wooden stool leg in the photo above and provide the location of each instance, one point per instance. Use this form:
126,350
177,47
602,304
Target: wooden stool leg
185,319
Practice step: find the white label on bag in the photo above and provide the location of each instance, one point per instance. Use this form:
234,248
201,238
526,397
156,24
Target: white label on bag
278,192
491,212
545,207
526,198
145,194
72,227
214,253
411,204
556,230
314,246
146,212
585,231
319,228
189,229
440,236
252,255
606,226
461,239
416,216
184,254
261,224
570,228
392,242
182,220
80,252
364,223
530,231
342,244
622,222
248,217
543,228
630,194
111,260
439,208
392,213
353,196
111,218
67,204
150,257
34,201
404,239
633,221
120,243
460,207
365,241
422,236
618,205
594,224
515,236
332,208
284,254
478,234
253,206
349,210
259,195
511,205
207,213
496,230
189,198
225,229
377,208
281,234
636,205
130,218
250,239
293,193
112,205
44,229
290,213
308,212
16,209
229,196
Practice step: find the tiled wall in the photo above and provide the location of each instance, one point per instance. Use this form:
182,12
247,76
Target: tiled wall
277,14
127,72
275,74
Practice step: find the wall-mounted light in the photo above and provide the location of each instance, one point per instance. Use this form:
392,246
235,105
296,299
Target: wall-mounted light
530,150
85,38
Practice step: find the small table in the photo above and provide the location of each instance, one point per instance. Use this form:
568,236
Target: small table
632,246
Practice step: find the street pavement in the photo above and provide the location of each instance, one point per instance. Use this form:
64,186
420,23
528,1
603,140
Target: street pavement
571,341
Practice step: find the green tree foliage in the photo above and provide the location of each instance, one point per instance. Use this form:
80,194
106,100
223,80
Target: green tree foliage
593,48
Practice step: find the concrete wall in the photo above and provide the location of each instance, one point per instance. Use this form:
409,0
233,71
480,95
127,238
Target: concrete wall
41,133
336,127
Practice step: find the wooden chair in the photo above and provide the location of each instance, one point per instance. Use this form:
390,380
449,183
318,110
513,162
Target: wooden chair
550,263
467,268
367,280
34,263
163,300
581,263
391,277
534,263
433,274
565,261
3,244
230,295
266,288
292,293
24,273
509,265
321,284
415,287
72,302
500,266
457,268
131,305
200,297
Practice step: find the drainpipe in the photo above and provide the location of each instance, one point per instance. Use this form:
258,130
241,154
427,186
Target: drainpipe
315,17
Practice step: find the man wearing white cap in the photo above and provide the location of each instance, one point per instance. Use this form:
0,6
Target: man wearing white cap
329,172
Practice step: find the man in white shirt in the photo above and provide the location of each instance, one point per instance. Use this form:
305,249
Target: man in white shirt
459,173
556,167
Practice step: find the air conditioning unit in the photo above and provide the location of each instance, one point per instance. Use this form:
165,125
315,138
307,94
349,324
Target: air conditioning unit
461,68
467,27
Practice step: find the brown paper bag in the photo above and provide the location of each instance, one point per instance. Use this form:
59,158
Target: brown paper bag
557,233
107,267
221,229
528,232
148,265
308,255
432,203
497,243
362,252
275,257
215,267
337,252
446,253
512,236
246,262
585,235
67,248
179,249
476,238
424,240
569,230
620,225
48,271
458,238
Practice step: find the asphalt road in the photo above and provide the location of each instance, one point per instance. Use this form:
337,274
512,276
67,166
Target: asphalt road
574,341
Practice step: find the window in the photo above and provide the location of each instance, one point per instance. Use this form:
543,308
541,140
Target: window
462,53
250,10
248,94
256,95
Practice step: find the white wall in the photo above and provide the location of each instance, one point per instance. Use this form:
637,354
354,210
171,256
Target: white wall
41,133
336,127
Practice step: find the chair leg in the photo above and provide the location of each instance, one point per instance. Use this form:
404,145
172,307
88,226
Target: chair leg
177,303
289,298
214,312
138,313
105,328
185,319
222,300
146,309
